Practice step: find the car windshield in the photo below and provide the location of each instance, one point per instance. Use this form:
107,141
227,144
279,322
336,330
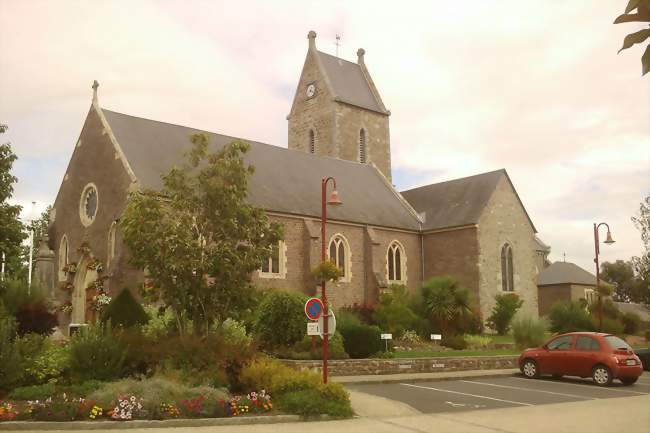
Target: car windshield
617,343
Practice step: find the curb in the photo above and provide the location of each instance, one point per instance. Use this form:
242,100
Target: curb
122,425
351,380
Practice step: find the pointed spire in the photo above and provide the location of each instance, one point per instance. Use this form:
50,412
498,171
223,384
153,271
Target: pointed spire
312,39
360,53
95,86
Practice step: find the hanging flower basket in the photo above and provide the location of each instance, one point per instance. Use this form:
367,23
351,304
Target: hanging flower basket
95,265
98,284
99,302
65,308
70,268
66,286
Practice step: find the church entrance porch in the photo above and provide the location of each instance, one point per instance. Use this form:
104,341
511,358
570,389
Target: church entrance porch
84,278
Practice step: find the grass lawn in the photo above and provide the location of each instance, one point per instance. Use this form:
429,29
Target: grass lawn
453,353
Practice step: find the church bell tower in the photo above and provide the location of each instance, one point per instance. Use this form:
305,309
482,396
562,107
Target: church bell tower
337,111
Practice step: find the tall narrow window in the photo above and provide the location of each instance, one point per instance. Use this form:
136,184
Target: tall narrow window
396,259
363,151
274,266
63,257
111,244
312,141
507,274
339,254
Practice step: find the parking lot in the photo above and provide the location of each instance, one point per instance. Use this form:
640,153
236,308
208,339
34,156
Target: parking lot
501,392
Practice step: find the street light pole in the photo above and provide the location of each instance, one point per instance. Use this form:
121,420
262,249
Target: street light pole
608,241
334,200
31,249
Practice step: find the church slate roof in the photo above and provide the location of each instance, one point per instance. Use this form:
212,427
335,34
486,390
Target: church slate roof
348,82
565,273
285,181
454,203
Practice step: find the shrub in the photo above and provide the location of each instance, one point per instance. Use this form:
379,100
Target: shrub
302,349
234,333
124,311
10,359
281,319
14,294
297,392
612,326
456,342
95,353
411,336
631,323
470,323
528,332
35,318
360,341
609,309
56,410
393,314
362,312
160,321
81,390
43,360
569,316
34,392
445,301
477,341
503,311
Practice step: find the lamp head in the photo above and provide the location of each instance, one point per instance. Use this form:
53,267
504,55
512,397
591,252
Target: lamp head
334,199
609,239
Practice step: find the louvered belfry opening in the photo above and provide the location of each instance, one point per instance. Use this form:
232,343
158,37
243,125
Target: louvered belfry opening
362,146
312,141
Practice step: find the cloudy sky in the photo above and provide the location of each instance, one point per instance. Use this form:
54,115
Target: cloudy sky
535,87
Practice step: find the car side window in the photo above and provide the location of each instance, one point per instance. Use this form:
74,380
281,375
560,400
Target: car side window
561,343
587,343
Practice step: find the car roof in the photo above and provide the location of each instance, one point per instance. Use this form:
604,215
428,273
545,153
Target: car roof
593,334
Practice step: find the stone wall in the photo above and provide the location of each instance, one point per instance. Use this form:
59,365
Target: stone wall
454,253
504,220
354,367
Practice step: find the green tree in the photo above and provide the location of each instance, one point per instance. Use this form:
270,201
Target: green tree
393,314
12,231
503,312
642,15
627,285
198,238
445,301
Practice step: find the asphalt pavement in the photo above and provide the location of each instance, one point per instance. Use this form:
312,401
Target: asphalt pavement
494,393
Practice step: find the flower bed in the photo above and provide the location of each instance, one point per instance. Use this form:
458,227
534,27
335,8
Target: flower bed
132,407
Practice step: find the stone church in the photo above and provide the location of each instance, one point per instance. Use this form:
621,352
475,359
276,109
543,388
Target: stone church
475,228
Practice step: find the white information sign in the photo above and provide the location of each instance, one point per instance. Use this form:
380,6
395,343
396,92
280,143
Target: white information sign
386,336
331,324
436,336
312,328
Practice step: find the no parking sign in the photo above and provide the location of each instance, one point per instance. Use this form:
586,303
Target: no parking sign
314,308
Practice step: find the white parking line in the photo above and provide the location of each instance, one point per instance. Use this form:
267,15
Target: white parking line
464,393
531,390
594,387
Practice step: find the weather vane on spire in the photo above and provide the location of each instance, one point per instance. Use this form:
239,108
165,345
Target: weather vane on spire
337,43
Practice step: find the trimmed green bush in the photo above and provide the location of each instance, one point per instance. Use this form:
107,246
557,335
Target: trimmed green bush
528,332
393,314
360,341
302,349
280,319
11,365
569,316
95,353
43,360
456,342
297,392
631,323
612,326
35,318
34,392
503,312
124,311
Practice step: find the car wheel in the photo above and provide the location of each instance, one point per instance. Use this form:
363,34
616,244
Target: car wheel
601,375
529,369
629,380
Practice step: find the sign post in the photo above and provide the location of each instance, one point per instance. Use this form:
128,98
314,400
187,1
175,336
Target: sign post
386,337
313,311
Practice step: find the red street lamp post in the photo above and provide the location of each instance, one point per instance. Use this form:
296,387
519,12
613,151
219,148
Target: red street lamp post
607,241
334,200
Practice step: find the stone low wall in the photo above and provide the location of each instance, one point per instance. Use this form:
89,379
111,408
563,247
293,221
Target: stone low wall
354,367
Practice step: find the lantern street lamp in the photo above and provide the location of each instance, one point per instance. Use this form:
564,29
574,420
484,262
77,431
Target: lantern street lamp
607,241
334,201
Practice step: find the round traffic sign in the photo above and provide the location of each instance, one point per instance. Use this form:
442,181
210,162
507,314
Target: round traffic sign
331,324
314,308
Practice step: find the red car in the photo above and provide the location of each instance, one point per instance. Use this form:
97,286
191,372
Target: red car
604,357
